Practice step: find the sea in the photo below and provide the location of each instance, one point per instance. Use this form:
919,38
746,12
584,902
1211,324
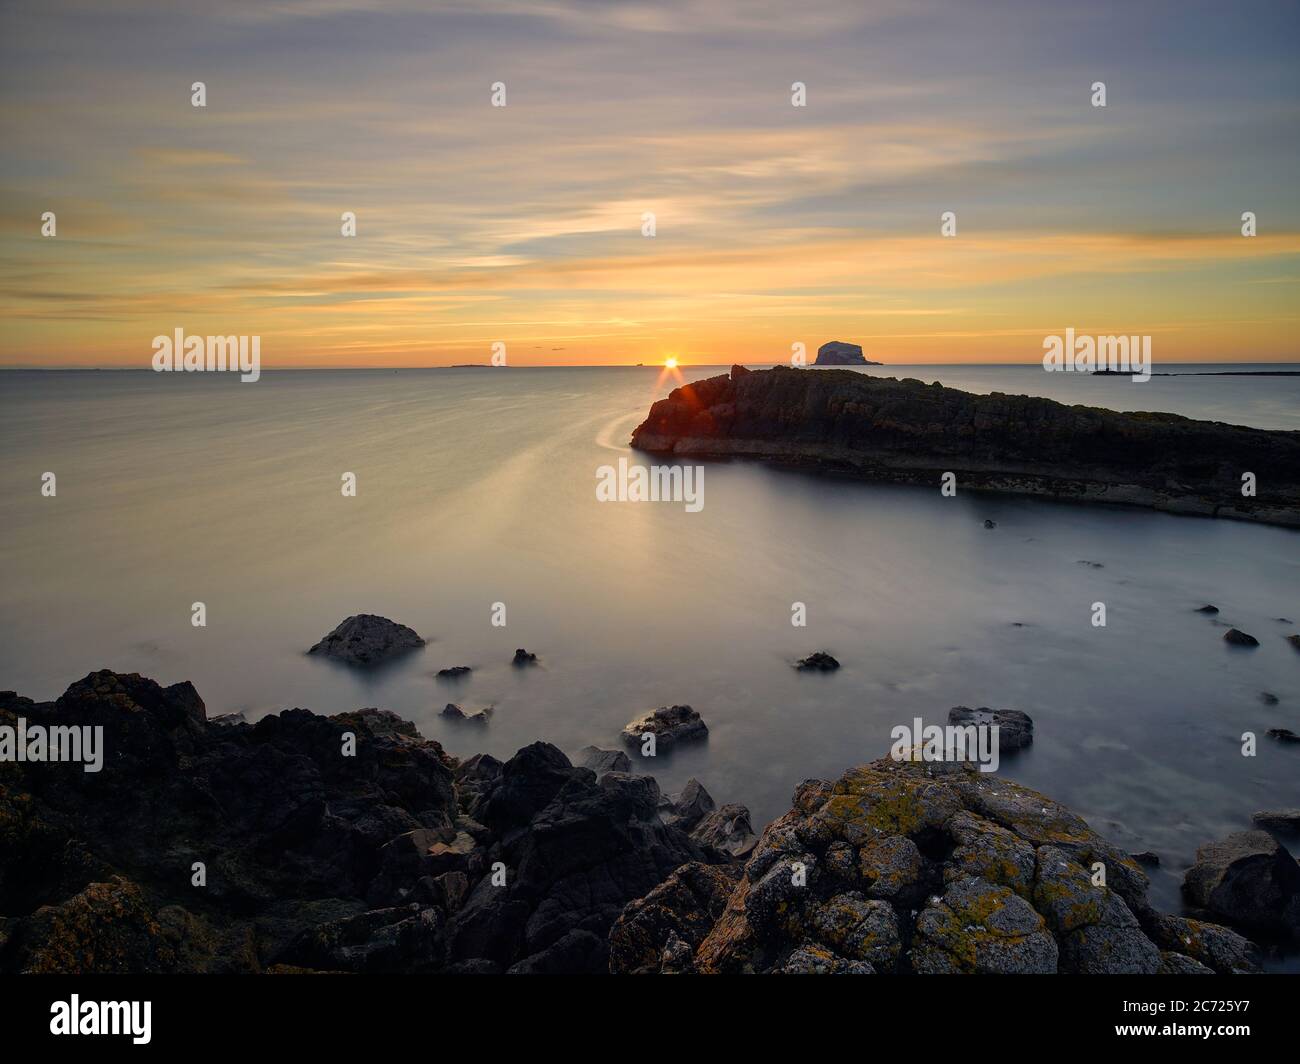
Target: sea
476,502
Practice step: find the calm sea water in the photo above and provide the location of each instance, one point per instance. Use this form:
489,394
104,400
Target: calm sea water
478,486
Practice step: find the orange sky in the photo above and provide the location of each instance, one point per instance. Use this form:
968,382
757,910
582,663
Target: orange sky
774,225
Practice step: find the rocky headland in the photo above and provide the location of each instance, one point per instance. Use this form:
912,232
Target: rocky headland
351,844
903,431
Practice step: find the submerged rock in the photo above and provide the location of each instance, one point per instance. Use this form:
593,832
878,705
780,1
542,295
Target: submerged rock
1283,735
523,658
1207,609
669,725
366,639
1015,729
817,662
455,672
1239,638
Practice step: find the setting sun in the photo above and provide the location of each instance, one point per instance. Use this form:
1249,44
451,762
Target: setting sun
670,363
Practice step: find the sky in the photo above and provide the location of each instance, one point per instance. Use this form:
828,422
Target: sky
774,225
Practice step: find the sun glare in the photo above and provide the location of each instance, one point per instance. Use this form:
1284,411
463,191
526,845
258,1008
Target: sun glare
670,363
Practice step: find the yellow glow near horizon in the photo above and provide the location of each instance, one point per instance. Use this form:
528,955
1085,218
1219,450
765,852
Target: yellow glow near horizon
670,362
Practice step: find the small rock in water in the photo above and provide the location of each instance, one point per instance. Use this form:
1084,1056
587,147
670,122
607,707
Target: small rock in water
1146,857
1091,565
1207,608
1286,820
990,523
1239,638
1268,698
1015,729
454,673
1294,640
366,638
1283,735
668,724
818,662
602,761
522,658
454,712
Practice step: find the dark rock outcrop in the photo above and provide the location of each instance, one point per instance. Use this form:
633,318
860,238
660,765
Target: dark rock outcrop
454,712
367,639
1250,880
1015,729
669,725
344,843
903,431
908,867
1239,638
819,661
523,658
454,672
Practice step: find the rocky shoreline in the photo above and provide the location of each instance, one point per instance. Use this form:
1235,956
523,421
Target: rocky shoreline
351,844
903,431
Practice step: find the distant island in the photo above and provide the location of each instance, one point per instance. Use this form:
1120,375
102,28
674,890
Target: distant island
838,353
907,432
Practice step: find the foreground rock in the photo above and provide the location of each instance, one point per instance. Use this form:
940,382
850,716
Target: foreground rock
1239,638
1250,880
669,725
909,867
383,861
1015,729
903,431
367,639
